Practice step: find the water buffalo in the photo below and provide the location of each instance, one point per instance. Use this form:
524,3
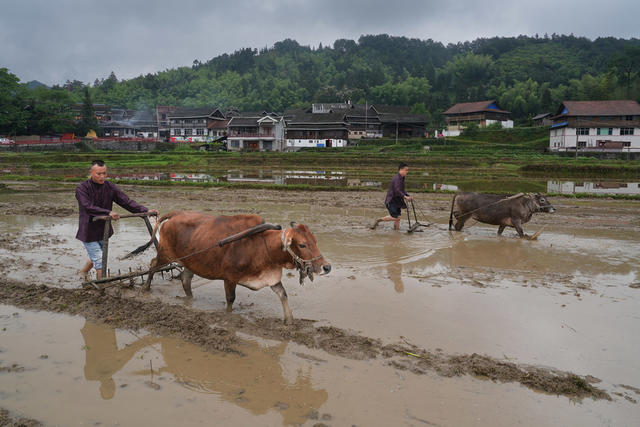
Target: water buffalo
256,261
504,211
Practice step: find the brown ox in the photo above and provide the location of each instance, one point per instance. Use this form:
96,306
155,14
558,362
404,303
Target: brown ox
190,238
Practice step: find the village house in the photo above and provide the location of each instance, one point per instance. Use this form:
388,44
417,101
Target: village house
596,126
397,121
217,128
363,122
541,120
255,132
162,117
191,124
482,113
304,129
121,123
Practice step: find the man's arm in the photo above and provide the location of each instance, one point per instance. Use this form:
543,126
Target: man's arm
84,199
123,200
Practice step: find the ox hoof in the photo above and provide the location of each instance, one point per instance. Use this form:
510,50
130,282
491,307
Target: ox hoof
288,321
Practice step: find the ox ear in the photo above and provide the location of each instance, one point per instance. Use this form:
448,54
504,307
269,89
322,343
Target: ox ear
293,224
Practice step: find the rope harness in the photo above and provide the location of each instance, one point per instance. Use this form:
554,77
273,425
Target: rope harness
304,266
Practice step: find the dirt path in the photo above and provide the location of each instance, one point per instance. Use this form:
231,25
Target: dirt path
215,332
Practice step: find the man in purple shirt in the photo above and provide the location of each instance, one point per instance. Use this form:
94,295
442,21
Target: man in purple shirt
95,198
396,197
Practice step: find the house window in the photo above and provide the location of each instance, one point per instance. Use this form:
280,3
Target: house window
626,131
605,131
626,144
628,118
164,117
583,131
187,132
199,131
176,132
235,144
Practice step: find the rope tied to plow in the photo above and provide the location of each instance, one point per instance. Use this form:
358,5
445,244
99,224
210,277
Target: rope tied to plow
304,266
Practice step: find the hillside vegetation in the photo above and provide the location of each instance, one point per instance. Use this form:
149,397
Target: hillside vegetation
527,75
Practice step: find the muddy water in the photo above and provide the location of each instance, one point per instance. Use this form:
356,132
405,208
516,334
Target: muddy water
568,300
68,371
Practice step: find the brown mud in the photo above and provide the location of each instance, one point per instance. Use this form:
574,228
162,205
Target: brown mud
215,331
459,326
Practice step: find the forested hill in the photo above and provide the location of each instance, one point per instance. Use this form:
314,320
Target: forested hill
527,75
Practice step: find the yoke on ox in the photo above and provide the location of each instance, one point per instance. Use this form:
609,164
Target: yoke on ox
500,210
240,250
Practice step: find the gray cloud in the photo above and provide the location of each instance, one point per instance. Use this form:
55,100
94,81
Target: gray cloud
53,41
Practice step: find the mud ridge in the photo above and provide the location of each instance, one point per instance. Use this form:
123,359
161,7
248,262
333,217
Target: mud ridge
8,420
215,331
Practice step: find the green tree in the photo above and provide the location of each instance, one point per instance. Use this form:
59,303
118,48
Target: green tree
13,115
50,112
88,120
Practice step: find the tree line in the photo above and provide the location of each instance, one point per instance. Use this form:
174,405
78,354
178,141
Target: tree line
527,75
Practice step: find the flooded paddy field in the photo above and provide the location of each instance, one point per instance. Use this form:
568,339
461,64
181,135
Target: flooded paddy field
435,328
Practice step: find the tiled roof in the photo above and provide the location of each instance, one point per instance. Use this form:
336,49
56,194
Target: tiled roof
240,121
599,108
392,109
541,116
298,117
192,112
218,124
473,107
402,118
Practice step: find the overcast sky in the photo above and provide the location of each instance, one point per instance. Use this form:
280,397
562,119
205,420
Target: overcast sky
55,40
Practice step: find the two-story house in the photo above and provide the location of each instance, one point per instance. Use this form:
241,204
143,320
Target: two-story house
255,132
482,113
191,124
304,129
596,126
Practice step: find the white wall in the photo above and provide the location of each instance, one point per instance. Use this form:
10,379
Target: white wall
301,143
570,187
506,124
565,137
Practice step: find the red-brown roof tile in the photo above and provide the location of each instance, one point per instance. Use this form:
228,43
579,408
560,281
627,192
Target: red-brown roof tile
473,107
600,108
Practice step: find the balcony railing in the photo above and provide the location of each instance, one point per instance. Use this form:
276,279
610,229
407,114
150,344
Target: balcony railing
251,135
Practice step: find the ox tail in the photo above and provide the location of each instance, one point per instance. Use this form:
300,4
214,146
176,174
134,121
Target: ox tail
453,203
146,246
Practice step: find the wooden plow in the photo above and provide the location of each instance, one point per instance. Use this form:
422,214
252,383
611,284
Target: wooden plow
133,277
416,224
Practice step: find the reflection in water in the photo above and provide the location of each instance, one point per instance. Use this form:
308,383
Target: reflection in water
395,250
102,357
602,187
255,381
